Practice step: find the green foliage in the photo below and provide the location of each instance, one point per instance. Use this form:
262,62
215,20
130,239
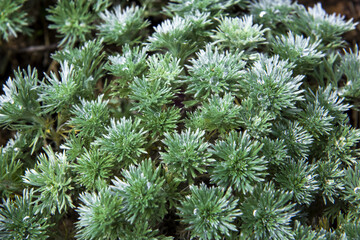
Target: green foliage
299,178
58,94
274,14
142,190
74,146
12,19
352,230
124,140
330,176
303,232
215,7
10,168
73,20
165,68
216,120
209,212
298,50
19,104
239,33
100,216
296,138
160,121
315,22
274,151
87,62
19,218
271,85
267,213
90,117
341,144
316,120
51,176
180,36
20,108
150,94
93,169
218,114
131,63
239,166
214,72
351,181
350,66
121,26
330,100
186,153
256,121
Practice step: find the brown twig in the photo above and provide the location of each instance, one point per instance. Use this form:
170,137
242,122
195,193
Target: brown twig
36,48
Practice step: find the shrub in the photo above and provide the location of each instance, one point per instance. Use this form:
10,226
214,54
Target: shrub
201,119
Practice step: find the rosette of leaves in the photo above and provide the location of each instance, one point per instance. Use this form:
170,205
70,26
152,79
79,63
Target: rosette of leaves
181,36
296,49
218,114
341,144
100,216
297,139
142,190
351,180
214,7
329,99
239,33
19,148
90,117
124,140
300,179
122,26
186,153
274,14
316,120
74,20
19,218
59,93
274,151
256,121
93,169
214,72
351,229
239,164
160,121
330,178
13,19
315,22
125,67
349,66
10,168
74,146
51,176
20,109
209,212
164,67
271,85
87,61
267,213
150,94
304,232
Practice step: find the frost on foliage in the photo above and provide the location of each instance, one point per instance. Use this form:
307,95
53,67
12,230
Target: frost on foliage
122,26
